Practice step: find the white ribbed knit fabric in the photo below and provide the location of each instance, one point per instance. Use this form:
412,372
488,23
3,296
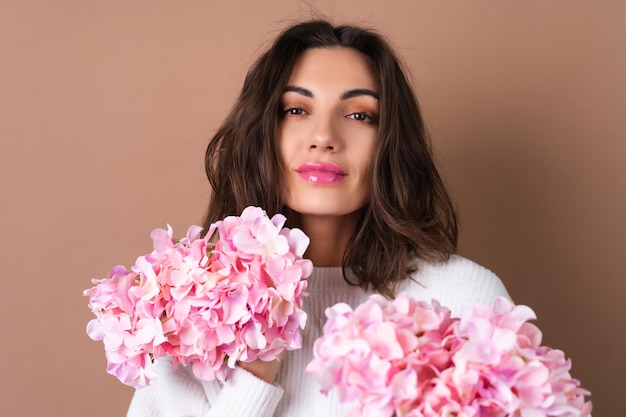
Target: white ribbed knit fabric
457,284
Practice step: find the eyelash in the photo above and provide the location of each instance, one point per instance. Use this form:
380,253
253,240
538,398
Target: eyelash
359,116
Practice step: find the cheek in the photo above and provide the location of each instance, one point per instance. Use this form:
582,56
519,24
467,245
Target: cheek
366,162
366,156
286,145
283,154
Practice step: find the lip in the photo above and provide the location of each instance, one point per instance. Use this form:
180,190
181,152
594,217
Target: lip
321,173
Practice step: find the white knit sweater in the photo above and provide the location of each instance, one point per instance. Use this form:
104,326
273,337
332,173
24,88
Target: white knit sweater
457,284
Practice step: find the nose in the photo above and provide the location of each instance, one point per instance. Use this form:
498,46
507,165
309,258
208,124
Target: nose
324,136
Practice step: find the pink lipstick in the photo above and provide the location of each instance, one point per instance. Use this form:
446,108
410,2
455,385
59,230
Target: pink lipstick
320,173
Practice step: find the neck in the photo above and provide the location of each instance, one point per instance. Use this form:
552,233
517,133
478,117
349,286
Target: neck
329,236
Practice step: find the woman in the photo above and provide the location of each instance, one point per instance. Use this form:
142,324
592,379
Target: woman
327,131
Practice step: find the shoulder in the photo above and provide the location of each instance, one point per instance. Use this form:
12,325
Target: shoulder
457,283
457,267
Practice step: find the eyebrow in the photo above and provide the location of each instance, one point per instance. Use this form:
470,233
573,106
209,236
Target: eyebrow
345,96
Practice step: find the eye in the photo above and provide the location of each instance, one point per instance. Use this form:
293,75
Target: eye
361,117
293,111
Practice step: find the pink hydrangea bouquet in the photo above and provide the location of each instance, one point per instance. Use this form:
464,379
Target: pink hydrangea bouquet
407,358
233,295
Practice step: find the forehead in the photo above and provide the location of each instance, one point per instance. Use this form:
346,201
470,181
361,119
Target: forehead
335,67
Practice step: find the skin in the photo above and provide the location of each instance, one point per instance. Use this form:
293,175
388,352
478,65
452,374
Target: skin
329,115
330,112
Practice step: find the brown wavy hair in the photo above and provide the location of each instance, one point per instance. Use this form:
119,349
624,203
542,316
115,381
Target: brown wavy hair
409,215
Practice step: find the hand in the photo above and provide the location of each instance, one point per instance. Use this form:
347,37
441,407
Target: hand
264,370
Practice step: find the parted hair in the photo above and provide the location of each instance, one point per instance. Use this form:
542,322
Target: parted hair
410,214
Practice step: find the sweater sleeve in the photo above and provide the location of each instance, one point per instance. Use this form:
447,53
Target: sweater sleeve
245,395
178,393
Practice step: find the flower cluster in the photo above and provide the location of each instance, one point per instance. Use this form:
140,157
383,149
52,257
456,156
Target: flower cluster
233,295
407,358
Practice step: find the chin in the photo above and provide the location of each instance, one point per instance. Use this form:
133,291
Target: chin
324,209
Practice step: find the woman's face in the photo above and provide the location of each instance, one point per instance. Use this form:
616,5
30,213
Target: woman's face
328,131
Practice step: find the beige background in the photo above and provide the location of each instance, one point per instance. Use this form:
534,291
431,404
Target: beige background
106,108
